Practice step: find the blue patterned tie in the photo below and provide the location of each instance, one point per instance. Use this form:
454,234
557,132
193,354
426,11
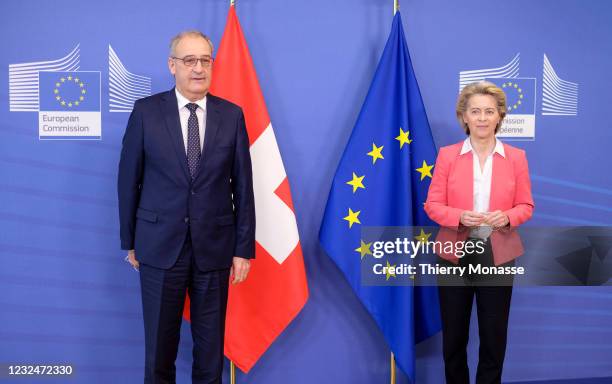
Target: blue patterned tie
193,140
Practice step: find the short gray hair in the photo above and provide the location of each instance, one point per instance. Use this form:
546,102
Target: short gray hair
193,33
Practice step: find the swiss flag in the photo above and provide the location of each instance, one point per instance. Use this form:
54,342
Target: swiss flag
276,289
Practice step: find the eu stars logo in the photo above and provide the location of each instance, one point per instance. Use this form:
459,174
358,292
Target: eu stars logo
69,106
519,122
65,83
514,95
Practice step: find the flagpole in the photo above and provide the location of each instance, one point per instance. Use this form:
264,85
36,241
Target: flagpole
232,367
395,9
392,368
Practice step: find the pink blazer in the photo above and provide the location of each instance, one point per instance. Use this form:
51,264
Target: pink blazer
451,192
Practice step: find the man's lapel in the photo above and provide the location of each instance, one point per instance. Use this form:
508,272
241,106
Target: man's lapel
212,127
169,106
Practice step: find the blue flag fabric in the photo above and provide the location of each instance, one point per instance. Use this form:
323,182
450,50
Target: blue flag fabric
382,180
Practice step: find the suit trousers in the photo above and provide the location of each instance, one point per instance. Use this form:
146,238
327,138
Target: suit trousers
163,299
493,310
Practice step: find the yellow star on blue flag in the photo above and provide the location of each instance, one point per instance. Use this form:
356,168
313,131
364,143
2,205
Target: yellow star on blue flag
376,153
403,138
356,182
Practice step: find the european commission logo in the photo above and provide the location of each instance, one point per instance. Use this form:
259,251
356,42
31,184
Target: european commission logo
559,97
520,100
68,100
69,105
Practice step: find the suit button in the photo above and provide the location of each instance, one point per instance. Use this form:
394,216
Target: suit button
186,219
193,192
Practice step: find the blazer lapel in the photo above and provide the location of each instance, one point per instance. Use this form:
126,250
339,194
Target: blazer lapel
169,107
465,172
212,127
500,178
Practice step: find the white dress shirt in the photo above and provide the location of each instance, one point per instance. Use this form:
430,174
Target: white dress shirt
184,116
482,184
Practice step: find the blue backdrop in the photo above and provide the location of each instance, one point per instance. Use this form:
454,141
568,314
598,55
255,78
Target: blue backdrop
66,294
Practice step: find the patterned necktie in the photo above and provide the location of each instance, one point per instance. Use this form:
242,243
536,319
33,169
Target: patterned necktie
193,140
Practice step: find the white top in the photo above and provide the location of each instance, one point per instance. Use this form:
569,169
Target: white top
482,184
184,116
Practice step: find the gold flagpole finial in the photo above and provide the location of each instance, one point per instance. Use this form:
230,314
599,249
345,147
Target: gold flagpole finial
395,6
232,366
392,368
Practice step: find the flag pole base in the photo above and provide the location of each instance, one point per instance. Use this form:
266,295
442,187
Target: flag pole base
392,368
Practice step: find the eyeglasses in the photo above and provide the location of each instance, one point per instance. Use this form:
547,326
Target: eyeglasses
192,61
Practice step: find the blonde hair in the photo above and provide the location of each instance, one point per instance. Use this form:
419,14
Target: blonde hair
481,88
193,33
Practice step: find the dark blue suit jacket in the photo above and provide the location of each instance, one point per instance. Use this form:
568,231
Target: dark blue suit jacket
158,202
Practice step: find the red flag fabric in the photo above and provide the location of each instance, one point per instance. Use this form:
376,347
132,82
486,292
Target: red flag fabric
276,289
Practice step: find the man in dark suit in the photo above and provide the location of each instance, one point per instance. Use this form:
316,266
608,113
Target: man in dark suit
186,209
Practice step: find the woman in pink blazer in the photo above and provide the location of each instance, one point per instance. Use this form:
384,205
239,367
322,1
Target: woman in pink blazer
480,190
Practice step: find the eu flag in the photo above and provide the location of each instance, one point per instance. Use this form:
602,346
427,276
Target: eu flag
382,180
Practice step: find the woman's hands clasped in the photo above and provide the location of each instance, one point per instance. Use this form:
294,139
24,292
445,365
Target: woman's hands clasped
496,219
